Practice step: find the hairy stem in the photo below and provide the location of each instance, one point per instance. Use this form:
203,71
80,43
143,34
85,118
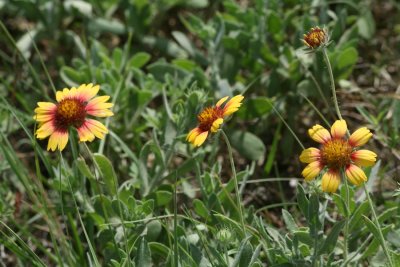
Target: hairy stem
332,80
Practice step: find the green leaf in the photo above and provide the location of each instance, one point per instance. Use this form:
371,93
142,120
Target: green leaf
183,41
356,217
274,23
304,237
107,172
330,241
345,62
153,230
302,200
347,58
139,60
106,25
340,204
143,257
196,3
161,69
313,215
366,25
163,197
188,189
244,254
80,6
247,144
84,168
159,249
70,76
394,238
201,209
255,255
289,221
371,227
374,245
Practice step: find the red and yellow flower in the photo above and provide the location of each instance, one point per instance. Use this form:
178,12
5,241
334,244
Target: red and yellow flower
73,108
211,118
336,155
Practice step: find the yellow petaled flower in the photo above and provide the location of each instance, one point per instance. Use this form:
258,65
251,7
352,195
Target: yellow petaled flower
315,38
211,118
337,154
73,108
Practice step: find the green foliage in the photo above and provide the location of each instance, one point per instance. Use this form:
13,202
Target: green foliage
143,196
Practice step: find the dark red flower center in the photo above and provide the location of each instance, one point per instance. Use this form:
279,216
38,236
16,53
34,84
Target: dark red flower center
208,116
70,112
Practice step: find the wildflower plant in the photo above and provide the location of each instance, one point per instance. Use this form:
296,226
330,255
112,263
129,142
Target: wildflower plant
73,108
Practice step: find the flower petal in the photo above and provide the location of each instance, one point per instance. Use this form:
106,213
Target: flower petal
99,99
98,107
199,140
60,94
221,101
43,118
364,157
87,92
96,128
319,134
360,137
100,112
58,139
193,134
312,170
45,108
216,124
232,105
310,154
45,130
85,134
46,105
339,129
330,181
355,174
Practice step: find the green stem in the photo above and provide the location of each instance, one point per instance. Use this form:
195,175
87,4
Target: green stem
228,144
332,80
382,239
346,225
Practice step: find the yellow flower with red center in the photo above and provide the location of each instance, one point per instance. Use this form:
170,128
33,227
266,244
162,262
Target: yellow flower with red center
337,154
315,38
73,108
211,118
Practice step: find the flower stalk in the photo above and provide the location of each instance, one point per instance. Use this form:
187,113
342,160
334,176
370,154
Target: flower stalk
238,200
332,81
